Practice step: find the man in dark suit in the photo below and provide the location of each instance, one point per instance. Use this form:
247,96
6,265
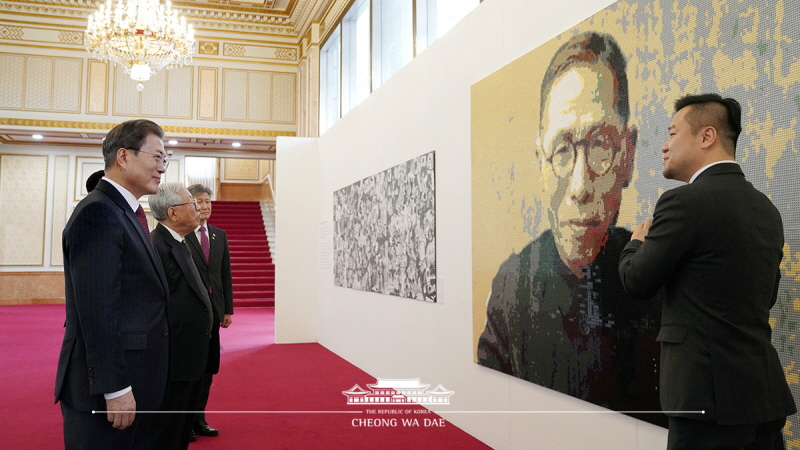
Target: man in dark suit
716,245
189,312
114,354
209,246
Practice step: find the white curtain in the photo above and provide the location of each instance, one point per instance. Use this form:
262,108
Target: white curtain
202,171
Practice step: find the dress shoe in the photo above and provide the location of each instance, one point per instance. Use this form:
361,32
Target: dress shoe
192,436
203,429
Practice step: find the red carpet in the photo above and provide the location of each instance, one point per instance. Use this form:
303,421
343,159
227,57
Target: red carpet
251,260
298,380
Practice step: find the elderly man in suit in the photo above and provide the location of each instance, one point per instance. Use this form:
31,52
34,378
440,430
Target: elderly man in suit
189,311
716,245
210,252
114,356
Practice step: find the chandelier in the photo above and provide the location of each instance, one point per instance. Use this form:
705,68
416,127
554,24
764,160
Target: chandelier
142,36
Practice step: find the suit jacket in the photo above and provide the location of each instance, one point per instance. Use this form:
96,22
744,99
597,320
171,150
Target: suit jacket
217,271
216,274
189,309
116,298
716,245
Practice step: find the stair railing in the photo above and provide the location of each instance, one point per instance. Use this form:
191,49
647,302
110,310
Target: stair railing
272,191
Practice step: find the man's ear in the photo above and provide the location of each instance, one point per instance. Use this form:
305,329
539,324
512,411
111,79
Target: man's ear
628,150
122,157
708,136
172,214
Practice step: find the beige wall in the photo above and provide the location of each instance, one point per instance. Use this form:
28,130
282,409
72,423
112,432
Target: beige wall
242,81
246,179
31,288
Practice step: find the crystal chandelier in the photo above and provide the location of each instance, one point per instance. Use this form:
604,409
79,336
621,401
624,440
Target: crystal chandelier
141,35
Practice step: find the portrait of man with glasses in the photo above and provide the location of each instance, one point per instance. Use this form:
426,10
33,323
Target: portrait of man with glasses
557,314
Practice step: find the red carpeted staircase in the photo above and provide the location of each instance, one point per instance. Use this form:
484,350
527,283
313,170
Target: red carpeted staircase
251,261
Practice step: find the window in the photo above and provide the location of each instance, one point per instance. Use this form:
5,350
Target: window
330,57
392,38
374,40
437,17
356,75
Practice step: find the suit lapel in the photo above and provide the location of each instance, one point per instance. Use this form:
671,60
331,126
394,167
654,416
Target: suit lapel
216,245
197,251
117,198
184,259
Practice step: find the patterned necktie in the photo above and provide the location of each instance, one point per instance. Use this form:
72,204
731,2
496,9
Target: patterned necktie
143,220
204,244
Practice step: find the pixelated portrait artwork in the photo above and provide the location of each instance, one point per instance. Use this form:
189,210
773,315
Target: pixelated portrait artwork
385,232
566,160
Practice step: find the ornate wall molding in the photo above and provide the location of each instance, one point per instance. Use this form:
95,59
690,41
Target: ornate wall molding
74,125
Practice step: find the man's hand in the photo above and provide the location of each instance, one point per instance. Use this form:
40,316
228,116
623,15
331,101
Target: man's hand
226,321
641,230
121,410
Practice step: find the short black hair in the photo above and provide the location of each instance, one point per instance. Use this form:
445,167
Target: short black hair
130,135
707,110
93,179
590,48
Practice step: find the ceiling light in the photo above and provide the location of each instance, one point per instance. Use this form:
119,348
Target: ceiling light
236,144
37,136
173,142
142,36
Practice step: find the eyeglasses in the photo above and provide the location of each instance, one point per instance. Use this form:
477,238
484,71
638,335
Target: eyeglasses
161,159
187,203
599,147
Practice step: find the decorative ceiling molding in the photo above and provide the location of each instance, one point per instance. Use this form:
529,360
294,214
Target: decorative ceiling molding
202,14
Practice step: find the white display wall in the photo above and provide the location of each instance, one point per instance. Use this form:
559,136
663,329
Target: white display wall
426,107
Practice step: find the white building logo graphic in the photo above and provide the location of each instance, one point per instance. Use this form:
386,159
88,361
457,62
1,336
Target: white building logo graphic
389,391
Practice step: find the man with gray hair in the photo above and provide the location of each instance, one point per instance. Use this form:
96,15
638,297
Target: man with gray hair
209,246
189,312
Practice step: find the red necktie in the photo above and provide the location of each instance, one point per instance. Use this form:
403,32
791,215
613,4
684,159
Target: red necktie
143,220
204,244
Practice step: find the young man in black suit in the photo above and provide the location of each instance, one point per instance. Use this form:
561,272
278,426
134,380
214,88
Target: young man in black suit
209,246
716,245
116,343
189,311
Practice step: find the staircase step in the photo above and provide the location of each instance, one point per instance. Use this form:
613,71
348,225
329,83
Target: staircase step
236,259
264,251
241,281
250,293
262,285
263,294
254,303
252,273
252,253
